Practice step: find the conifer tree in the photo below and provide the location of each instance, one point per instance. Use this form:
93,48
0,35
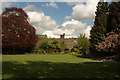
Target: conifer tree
99,28
114,16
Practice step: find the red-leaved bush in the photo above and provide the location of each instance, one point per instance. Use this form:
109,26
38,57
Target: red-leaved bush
111,43
18,36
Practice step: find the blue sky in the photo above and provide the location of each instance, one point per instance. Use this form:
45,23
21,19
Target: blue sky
58,14
52,18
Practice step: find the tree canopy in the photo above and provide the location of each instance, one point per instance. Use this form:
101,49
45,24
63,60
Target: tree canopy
100,24
18,36
106,30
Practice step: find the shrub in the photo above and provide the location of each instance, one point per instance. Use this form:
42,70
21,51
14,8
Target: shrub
111,43
117,58
57,45
53,46
72,53
66,49
74,50
44,45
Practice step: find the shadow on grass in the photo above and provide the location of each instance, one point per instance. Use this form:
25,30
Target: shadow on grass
43,69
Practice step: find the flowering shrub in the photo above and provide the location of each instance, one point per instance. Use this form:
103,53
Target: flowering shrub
111,43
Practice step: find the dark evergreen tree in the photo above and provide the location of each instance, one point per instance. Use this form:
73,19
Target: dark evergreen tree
99,29
114,16
111,43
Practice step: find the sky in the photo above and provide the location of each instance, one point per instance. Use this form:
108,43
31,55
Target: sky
56,18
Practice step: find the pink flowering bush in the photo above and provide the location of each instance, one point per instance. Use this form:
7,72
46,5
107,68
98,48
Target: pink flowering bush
111,43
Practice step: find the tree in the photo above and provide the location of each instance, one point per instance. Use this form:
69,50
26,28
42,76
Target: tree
18,36
83,44
99,29
114,16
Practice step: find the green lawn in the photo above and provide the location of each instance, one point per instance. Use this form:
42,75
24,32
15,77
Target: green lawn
56,66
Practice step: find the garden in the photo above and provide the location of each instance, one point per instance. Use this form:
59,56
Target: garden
28,55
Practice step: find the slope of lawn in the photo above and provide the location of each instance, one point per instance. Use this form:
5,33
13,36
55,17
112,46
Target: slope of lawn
56,66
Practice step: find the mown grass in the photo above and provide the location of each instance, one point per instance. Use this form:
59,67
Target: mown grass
56,66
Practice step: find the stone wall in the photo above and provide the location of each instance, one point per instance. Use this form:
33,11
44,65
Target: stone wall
70,42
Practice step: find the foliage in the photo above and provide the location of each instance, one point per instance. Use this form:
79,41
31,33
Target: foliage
66,50
83,44
100,24
114,16
18,36
72,53
44,45
107,21
117,58
63,46
53,46
58,46
111,43
75,50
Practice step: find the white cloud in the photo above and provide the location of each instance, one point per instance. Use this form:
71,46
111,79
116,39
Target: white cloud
9,0
71,28
30,8
61,31
76,25
84,11
39,20
46,25
68,17
87,31
57,32
52,4
73,3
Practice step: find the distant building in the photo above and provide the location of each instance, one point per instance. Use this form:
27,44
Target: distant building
62,36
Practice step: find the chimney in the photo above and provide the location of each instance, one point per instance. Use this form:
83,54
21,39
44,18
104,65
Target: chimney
62,36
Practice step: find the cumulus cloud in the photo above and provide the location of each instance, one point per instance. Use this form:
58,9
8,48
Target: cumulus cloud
87,31
71,28
46,25
52,4
68,17
30,8
39,20
57,32
83,11
76,25
73,3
